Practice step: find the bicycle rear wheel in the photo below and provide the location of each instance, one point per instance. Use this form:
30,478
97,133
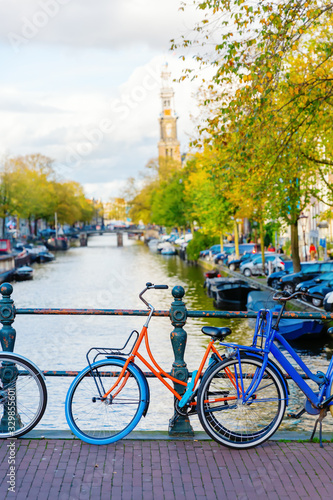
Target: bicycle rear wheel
224,415
23,395
104,422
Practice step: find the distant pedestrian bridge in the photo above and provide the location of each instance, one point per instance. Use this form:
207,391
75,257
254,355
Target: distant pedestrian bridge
132,232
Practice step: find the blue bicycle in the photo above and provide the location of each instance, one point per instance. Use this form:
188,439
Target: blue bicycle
255,390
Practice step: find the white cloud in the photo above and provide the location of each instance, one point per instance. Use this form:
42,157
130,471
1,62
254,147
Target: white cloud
104,190
69,94
105,23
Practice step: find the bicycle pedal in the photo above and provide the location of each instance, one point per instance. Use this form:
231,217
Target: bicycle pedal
296,415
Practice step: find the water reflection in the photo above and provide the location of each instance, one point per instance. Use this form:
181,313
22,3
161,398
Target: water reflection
104,276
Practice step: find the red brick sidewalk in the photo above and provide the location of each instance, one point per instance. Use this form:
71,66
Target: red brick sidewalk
72,470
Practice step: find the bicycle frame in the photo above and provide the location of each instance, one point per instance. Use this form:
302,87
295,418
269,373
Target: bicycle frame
270,334
156,369
322,380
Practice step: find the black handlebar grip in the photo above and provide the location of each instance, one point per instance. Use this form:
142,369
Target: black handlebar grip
161,287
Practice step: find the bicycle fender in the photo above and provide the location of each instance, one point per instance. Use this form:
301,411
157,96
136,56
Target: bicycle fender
147,388
274,367
9,354
143,378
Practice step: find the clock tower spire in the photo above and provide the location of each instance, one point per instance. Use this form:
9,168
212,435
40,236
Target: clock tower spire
168,146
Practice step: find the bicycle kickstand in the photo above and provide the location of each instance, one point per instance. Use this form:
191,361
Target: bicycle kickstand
322,415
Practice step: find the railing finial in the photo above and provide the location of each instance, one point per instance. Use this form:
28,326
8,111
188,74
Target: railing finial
7,317
179,425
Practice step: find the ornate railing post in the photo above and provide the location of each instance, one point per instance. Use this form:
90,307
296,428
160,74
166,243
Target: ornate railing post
7,317
8,371
179,424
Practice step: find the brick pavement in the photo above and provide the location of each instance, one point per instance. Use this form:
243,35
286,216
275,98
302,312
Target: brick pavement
53,469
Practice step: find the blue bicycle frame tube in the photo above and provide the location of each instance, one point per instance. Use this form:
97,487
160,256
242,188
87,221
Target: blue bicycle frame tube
314,398
264,329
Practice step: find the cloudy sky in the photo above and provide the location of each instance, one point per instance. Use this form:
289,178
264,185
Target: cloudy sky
80,82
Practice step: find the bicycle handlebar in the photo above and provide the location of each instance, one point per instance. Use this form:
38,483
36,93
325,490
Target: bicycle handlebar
157,287
285,296
149,286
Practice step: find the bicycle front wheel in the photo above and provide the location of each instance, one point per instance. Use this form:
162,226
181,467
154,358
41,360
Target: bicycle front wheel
224,414
104,422
23,395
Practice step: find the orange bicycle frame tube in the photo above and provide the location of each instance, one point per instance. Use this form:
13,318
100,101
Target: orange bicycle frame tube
158,372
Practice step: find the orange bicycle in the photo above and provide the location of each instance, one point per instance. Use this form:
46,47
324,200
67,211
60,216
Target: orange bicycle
108,398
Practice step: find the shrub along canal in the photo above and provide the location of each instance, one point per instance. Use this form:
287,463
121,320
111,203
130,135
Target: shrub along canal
105,276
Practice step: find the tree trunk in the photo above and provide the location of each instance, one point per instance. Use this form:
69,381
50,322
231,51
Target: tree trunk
221,241
262,243
236,240
30,226
294,247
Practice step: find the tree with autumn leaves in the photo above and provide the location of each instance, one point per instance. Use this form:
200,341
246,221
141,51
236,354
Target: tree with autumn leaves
265,145
29,190
269,103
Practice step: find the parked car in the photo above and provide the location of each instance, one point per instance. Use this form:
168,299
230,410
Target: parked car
255,267
274,278
215,249
248,248
236,263
328,302
309,271
322,279
228,253
281,263
316,294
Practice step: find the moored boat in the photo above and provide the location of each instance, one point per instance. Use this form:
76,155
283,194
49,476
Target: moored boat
290,329
168,250
20,254
44,256
229,292
23,273
55,244
7,268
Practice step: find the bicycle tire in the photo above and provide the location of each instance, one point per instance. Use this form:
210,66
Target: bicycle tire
104,422
23,395
234,424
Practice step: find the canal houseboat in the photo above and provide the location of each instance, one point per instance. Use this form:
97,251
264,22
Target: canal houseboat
7,267
228,292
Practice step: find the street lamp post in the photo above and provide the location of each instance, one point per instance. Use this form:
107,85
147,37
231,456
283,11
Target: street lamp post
303,219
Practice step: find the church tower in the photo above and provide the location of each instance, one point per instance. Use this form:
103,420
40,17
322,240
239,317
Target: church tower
168,146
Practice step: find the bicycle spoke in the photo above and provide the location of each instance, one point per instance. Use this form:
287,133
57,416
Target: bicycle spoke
235,422
100,421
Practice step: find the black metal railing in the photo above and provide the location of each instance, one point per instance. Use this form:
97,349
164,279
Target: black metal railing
177,313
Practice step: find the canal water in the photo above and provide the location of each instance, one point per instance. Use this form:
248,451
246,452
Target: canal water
105,276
